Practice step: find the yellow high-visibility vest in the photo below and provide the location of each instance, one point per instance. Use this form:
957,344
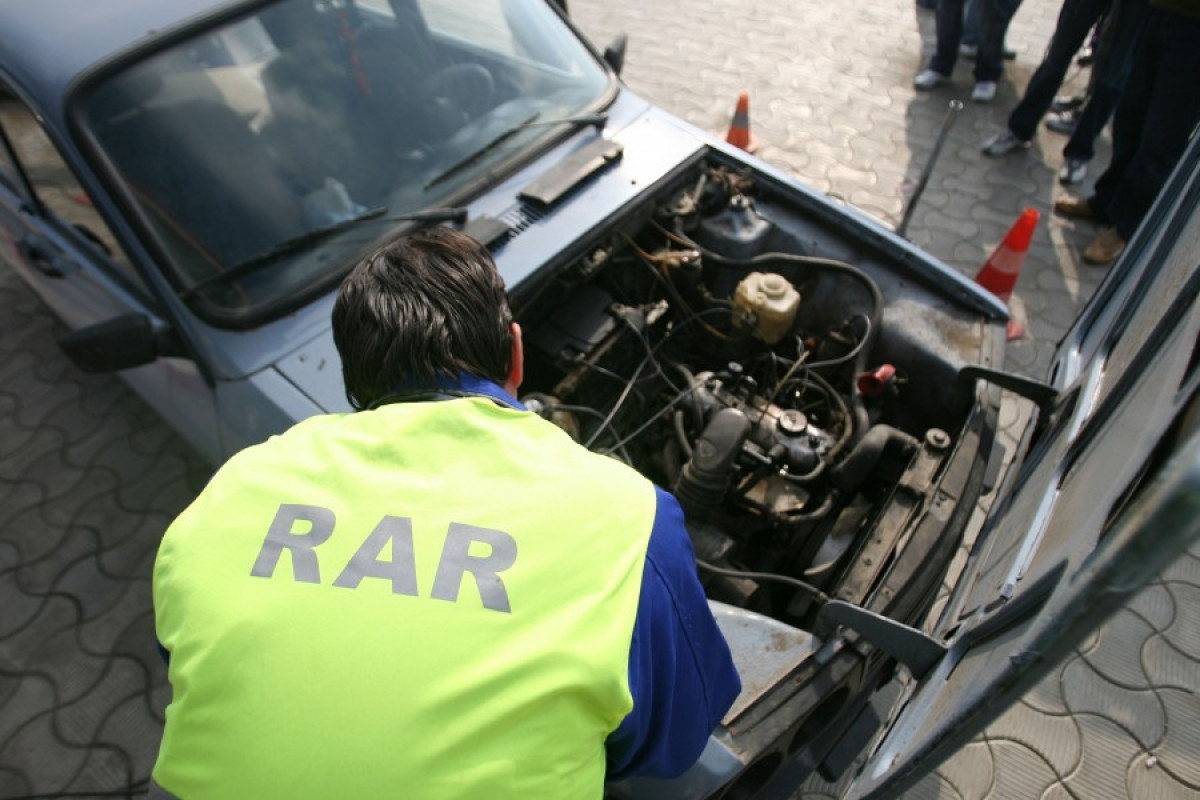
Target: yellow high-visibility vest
426,600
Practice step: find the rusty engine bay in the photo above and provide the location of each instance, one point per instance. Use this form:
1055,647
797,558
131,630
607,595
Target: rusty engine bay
802,408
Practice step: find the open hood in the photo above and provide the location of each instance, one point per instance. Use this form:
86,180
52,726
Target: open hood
1103,494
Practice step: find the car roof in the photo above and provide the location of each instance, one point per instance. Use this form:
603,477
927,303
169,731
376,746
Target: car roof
45,45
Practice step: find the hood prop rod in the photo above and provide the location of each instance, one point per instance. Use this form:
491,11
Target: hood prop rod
1043,395
947,123
913,648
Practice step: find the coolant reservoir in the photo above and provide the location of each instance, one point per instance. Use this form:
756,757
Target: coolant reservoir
772,302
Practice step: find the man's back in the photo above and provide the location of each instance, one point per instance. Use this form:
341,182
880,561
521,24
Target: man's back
435,595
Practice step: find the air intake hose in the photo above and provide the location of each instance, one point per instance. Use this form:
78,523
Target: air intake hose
708,473
854,470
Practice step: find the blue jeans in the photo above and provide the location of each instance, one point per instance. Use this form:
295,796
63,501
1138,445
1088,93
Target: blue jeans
1158,111
994,16
970,33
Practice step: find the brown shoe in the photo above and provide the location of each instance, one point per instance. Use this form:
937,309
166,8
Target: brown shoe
1105,248
1074,207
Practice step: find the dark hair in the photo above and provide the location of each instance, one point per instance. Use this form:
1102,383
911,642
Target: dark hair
428,305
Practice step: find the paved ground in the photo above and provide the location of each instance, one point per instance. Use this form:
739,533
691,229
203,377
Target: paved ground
89,477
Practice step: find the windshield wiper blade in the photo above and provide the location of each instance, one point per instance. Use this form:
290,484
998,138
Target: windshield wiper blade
272,255
598,119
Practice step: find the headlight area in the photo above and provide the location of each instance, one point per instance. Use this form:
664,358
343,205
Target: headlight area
798,393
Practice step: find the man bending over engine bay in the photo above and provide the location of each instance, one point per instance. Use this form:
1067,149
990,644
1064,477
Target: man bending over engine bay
439,596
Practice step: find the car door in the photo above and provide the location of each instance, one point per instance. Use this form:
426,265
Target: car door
1107,495
55,236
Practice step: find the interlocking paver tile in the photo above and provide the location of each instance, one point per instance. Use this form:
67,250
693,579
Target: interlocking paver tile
1047,696
37,736
168,496
1058,312
1139,712
1146,777
1020,771
1054,736
61,485
79,720
135,640
1111,660
25,696
971,775
129,551
21,445
127,629
72,672
64,416
934,786
1158,606
84,580
21,610
45,552
105,395
126,732
1185,569
1177,754
1107,751
1168,665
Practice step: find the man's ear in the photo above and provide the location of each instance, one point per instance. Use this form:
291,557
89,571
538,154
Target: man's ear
517,372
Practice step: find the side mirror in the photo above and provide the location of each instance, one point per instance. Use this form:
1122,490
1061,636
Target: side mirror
614,54
119,343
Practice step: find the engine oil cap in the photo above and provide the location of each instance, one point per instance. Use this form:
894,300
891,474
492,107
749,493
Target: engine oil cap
792,422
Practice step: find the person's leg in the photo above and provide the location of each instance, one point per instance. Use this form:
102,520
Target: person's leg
1114,59
1090,121
994,16
1075,19
970,34
949,33
1128,120
1172,112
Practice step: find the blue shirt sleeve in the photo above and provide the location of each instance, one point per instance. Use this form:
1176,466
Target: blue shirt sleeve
681,673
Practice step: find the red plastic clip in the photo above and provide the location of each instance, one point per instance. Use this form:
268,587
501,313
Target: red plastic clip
876,382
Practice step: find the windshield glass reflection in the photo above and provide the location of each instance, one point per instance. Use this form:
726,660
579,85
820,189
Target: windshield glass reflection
311,113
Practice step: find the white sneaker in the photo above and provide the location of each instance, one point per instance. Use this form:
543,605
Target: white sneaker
929,79
984,92
1073,171
1003,144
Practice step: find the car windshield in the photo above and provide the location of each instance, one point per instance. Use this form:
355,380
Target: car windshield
310,113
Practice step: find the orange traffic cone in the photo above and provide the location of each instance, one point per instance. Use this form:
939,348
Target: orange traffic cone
739,130
1003,267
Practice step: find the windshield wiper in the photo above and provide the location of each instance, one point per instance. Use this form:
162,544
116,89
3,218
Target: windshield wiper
598,119
288,246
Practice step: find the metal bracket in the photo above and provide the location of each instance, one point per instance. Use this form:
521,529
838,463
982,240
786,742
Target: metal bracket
912,648
1043,394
